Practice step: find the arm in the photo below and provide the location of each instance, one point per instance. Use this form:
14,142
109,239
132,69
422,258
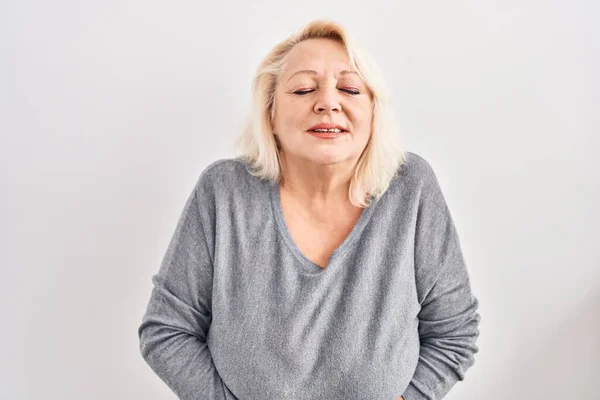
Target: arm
174,328
448,320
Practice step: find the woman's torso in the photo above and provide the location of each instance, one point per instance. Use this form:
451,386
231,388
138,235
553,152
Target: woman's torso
284,327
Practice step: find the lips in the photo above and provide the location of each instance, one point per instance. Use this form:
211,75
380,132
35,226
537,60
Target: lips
324,127
327,135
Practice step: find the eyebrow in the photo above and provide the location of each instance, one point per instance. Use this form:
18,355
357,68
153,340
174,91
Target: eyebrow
313,72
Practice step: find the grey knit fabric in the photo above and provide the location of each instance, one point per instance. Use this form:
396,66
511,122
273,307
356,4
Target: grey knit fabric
238,312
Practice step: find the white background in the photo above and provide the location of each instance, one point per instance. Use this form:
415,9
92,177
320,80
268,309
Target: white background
110,110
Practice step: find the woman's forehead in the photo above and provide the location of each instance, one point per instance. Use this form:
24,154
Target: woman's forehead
314,54
338,73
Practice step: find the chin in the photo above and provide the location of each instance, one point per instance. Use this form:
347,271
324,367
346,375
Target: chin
328,157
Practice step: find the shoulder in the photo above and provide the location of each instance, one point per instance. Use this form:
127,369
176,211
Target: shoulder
228,179
415,182
224,172
416,171
224,168
416,161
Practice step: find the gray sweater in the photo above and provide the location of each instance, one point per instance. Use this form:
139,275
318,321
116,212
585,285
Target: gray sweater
238,312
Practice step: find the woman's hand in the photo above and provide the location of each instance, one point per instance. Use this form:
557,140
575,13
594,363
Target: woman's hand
400,398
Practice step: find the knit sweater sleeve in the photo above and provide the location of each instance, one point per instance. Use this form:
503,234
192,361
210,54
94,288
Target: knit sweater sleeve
174,328
448,318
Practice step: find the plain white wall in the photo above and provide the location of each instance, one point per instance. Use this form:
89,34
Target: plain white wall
110,110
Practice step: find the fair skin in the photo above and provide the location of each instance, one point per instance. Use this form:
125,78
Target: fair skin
318,85
316,171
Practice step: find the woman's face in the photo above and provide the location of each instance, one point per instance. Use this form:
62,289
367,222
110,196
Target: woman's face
317,86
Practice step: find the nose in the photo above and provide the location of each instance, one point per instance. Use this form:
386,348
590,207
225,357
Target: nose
328,101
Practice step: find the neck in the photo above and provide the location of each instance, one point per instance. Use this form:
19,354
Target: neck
317,186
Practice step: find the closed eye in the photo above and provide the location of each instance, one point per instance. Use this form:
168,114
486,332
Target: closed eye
349,91
303,92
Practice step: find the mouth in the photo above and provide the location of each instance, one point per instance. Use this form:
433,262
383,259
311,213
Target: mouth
327,131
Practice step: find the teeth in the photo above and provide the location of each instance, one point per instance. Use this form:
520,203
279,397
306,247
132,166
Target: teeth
328,130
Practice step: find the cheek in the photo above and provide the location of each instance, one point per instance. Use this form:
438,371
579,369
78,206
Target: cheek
368,114
292,115
361,115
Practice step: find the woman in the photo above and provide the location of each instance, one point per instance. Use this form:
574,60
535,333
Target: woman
322,263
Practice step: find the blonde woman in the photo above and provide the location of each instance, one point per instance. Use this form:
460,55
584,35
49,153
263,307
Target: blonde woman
322,262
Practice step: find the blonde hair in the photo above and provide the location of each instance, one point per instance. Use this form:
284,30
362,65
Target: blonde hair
383,154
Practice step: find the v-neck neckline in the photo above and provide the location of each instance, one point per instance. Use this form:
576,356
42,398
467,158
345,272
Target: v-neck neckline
308,265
